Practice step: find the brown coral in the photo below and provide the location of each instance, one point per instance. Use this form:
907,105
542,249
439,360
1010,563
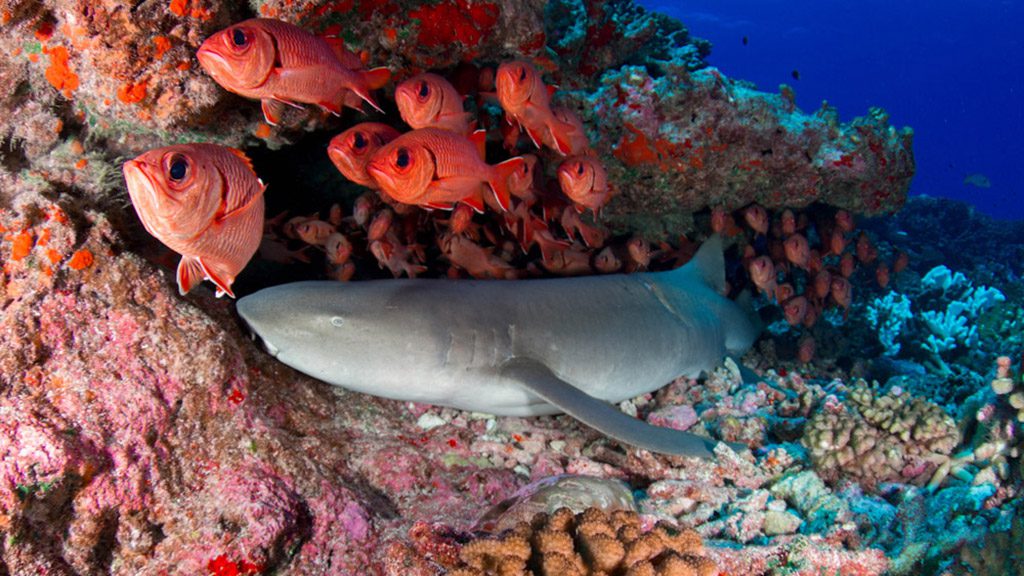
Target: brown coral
874,438
592,542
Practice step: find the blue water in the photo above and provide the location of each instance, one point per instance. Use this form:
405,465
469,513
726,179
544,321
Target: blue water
952,70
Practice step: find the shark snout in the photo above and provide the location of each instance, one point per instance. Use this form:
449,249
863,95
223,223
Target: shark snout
251,311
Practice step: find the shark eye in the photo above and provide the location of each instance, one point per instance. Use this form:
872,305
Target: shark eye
178,168
424,90
238,37
359,141
402,158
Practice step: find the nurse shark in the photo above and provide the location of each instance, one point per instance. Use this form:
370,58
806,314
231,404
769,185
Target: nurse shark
516,348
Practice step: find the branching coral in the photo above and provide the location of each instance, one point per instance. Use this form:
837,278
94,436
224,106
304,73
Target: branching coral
889,316
592,542
875,438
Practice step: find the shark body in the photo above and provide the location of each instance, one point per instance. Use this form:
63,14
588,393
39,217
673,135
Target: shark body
519,348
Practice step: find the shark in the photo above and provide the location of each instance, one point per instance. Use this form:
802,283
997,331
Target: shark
515,347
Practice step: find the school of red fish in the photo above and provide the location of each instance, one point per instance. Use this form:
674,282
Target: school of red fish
205,201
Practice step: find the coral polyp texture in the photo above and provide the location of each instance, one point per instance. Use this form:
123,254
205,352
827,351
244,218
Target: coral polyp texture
876,438
590,542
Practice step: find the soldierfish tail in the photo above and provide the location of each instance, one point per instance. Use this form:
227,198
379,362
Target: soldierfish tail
499,182
377,78
362,84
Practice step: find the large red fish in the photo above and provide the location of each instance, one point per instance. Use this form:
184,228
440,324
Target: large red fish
527,100
351,150
203,201
429,101
283,65
437,168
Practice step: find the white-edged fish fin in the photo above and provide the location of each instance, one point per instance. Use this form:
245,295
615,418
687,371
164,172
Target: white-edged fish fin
222,280
190,274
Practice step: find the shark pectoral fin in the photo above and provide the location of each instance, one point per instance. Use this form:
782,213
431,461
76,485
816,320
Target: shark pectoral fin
603,417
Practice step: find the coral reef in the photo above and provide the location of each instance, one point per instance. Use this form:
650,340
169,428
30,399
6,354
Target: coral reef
584,543
875,438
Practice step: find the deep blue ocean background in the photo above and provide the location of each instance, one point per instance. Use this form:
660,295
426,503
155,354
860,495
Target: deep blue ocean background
952,70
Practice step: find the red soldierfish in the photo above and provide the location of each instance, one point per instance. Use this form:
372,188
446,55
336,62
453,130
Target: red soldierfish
527,100
584,180
437,168
203,201
429,101
281,64
351,150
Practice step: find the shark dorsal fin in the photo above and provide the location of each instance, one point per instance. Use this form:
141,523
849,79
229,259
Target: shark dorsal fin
707,265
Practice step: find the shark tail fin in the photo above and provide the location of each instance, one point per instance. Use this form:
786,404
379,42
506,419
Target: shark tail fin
707,266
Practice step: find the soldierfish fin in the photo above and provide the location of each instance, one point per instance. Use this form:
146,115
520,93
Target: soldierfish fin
499,185
439,205
272,110
707,266
476,202
534,137
562,144
347,58
377,78
535,377
220,278
241,156
479,139
190,274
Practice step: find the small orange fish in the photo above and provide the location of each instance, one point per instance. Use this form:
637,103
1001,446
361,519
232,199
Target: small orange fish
844,221
798,252
351,150
203,201
477,261
762,273
527,100
584,180
338,249
520,183
795,310
902,260
842,292
882,275
429,101
437,168
281,65
822,284
606,262
757,218
788,222
575,133
805,349
314,232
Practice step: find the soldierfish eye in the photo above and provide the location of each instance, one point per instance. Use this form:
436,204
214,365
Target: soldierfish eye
579,168
522,73
402,158
424,89
359,141
178,168
238,37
